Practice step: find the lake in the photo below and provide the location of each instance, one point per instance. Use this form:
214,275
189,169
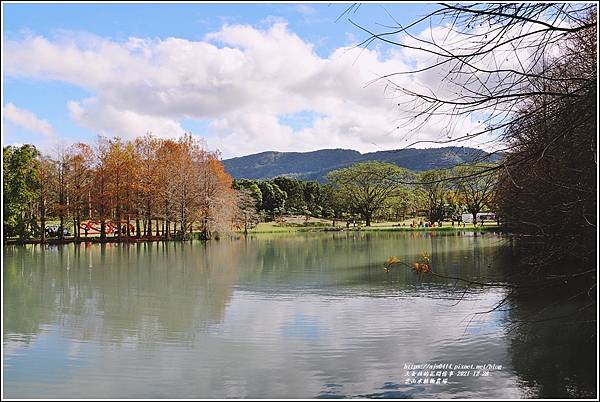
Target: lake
304,315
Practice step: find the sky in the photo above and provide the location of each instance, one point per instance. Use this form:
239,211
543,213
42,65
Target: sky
246,78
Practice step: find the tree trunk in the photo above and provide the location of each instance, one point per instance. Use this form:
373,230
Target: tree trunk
167,223
78,225
43,224
182,222
368,219
148,227
119,219
61,228
89,205
42,218
205,233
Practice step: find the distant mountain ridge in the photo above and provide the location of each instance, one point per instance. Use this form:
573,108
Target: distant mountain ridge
316,164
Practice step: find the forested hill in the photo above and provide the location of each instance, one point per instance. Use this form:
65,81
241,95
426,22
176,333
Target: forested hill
315,165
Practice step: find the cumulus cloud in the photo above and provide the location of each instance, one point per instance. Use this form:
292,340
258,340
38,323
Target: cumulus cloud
239,80
109,120
28,120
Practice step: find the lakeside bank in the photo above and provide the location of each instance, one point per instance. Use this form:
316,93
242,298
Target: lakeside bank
262,228
269,227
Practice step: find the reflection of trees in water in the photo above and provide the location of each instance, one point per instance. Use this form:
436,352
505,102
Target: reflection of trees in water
553,341
550,319
24,294
353,260
172,292
141,292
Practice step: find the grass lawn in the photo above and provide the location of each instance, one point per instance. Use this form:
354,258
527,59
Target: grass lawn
300,224
295,224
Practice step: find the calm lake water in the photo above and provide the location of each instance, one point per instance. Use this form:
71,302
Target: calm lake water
281,316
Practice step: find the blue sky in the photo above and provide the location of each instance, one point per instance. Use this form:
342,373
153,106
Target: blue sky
45,102
315,22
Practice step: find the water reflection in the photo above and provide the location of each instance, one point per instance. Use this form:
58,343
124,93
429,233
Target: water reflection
276,316
563,320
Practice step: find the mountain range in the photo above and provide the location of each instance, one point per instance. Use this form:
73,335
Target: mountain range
316,164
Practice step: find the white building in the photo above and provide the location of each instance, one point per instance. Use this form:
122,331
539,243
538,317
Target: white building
482,216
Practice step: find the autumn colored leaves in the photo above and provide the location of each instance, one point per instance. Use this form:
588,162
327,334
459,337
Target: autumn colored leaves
147,188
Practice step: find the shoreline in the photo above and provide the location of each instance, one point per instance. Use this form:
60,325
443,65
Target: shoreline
12,242
282,229
301,229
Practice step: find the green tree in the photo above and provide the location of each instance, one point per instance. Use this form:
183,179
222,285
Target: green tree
20,165
335,206
455,202
45,173
312,196
435,185
476,184
403,204
294,190
252,187
273,198
368,185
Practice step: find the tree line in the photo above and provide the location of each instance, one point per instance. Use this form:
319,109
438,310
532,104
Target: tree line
376,190
170,189
143,188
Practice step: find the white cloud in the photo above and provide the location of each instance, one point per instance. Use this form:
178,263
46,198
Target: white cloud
108,120
28,120
239,80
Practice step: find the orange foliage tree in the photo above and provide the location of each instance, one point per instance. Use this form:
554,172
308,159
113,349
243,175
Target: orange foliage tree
178,184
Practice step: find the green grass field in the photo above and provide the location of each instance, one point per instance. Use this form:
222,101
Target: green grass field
295,224
299,224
